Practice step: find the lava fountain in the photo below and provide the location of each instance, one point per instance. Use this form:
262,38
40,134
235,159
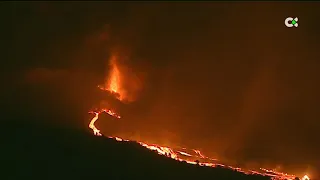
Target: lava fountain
113,82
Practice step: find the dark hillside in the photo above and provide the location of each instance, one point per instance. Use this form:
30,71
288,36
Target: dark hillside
41,152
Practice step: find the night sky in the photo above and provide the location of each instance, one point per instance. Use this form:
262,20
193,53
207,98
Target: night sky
227,78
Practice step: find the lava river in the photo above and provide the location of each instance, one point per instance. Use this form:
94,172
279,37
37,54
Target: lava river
185,155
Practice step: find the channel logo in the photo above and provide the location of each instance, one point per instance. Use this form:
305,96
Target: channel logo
291,22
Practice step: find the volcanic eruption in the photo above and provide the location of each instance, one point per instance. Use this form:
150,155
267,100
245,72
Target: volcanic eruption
113,86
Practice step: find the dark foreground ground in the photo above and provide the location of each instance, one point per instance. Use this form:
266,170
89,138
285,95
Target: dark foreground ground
41,152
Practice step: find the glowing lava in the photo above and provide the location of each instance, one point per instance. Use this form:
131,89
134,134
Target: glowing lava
113,86
305,177
95,130
185,157
114,81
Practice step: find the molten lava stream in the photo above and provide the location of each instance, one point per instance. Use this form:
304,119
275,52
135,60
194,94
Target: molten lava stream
183,156
95,130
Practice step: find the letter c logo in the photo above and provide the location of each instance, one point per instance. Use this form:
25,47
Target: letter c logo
290,22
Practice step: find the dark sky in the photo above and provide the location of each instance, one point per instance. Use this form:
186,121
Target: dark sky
228,78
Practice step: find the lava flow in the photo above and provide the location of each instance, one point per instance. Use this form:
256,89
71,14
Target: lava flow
96,131
192,158
180,154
